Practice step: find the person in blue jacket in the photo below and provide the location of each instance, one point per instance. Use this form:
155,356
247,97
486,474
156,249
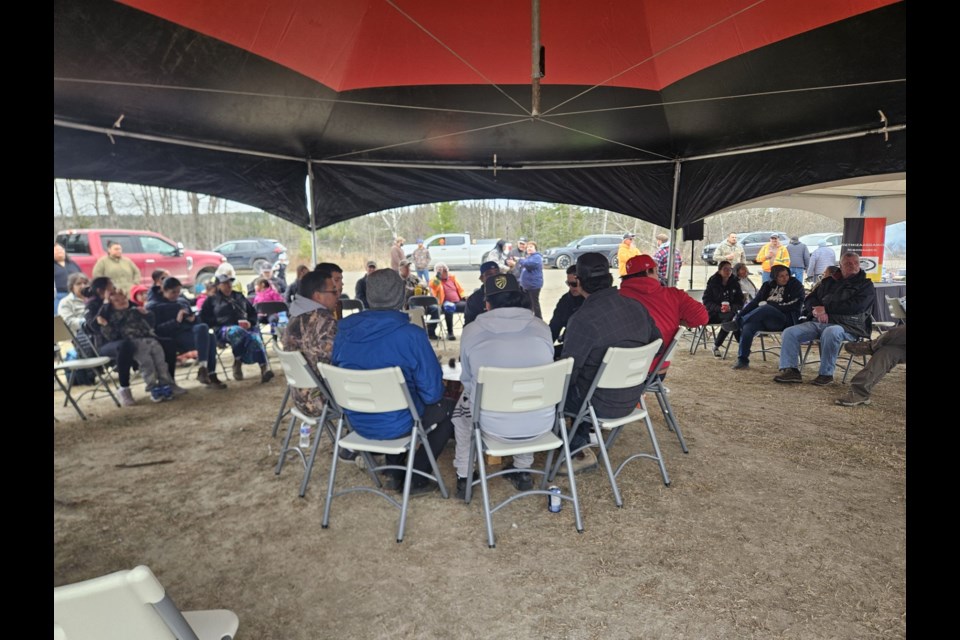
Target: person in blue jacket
531,277
384,337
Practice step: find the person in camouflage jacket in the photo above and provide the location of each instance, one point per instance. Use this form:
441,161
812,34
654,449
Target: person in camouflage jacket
311,330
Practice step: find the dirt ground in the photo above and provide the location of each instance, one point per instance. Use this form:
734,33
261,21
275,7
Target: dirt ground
785,520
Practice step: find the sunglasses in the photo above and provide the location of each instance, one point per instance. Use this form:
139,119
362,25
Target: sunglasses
572,284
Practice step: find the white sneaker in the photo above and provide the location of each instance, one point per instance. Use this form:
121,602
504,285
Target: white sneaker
126,397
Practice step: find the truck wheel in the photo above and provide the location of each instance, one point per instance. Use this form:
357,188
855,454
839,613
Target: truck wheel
258,264
203,276
564,261
614,261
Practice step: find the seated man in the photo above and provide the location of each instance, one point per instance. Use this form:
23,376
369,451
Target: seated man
360,289
449,292
411,282
605,320
775,307
506,333
838,310
384,337
889,350
311,331
568,303
475,303
668,306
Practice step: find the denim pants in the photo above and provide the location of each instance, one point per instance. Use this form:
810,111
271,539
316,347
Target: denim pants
198,337
424,274
765,318
797,272
831,336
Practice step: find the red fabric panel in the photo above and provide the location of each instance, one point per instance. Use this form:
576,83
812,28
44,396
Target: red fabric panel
352,44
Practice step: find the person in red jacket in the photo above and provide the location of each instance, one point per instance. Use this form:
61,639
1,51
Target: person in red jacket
668,306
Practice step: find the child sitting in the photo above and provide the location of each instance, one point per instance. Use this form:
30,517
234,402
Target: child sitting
265,293
120,320
209,288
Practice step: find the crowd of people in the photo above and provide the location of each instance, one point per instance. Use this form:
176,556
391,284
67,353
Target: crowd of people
502,324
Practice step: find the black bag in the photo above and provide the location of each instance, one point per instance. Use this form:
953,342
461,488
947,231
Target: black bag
82,377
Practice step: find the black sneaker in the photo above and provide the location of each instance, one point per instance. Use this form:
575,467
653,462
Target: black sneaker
462,486
822,381
741,364
789,376
451,337
421,488
346,454
716,352
522,481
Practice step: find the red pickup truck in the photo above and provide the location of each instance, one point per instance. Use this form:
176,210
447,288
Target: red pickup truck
148,250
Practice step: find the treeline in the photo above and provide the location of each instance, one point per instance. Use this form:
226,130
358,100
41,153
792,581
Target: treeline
203,222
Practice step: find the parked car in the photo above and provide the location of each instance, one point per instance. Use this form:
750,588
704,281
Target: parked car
252,253
563,257
454,249
833,239
751,241
148,250
900,275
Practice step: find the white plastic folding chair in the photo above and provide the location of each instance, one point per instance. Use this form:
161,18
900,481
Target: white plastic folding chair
300,376
132,604
621,368
425,302
519,391
376,391
62,333
659,390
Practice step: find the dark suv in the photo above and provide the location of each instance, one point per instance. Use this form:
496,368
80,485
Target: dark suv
563,257
252,253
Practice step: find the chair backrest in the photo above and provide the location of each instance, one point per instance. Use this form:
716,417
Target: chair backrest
374,391
118,606
352,305
422,301
624,367
525,389
896,309
696,294
296,370
668,354
269,308
61,332
416,315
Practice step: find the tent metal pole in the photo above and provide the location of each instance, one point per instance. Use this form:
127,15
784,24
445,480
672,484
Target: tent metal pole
312,208
535,57
671,280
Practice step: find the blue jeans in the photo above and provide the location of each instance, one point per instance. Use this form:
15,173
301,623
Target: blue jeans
764,276
765,318
424,274
831,337
797,272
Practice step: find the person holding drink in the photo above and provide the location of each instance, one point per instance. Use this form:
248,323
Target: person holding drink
723,298
232,317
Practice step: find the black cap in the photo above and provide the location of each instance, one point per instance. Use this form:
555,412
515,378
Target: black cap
501,283
591,265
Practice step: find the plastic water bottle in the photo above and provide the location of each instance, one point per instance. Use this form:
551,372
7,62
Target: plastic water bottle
304,436
282,321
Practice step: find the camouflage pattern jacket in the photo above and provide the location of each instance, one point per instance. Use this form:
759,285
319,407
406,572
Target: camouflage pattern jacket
311,334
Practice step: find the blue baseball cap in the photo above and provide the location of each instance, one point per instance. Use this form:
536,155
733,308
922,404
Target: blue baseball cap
486,266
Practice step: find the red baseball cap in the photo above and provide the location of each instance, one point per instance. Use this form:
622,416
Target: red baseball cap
640,264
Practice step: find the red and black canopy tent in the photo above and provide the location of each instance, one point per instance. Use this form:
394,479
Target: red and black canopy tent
666,110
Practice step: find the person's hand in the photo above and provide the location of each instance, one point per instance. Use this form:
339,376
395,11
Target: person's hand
101,321
181,315
142,310
244,324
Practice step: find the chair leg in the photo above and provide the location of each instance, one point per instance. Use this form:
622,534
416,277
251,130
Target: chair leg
408,477
667,409
313,450
491,543
573,481
66,391
333,476
283,412
285,447
656,450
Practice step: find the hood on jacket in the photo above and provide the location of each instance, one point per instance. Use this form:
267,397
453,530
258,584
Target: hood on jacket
508,320
301,305
371,325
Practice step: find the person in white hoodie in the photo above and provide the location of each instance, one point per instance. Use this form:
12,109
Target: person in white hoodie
506,335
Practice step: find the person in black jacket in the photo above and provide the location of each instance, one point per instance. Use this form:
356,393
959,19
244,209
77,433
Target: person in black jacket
360,290
775,307
723,299
568,303
177,321
839,311
475,303
232,318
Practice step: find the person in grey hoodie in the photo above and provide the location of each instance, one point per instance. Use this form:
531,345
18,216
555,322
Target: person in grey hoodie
799,257
821,258
506,335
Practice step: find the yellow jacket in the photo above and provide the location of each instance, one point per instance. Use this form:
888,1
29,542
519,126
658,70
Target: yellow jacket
782,257
624,253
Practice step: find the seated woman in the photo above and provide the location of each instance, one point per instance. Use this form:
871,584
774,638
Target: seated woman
232,318
176,321
73,308
746,284
775,307
723,299
120,320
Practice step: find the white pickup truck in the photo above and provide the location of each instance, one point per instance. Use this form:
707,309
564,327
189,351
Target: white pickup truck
454,249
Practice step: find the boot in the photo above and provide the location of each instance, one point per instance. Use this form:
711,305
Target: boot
215,382
238,369
266,375
203,375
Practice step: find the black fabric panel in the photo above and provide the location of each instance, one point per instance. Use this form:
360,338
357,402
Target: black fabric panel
343,192
275,186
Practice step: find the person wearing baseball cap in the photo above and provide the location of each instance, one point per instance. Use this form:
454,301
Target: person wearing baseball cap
475,304
360,289
605,320
668,306
625,252
506,335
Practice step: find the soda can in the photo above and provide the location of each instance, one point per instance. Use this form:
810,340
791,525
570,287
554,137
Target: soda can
554,502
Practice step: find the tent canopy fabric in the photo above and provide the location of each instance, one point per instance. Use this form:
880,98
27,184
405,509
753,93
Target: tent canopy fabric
398,102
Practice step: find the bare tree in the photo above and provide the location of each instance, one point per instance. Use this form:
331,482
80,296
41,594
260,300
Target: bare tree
111,212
